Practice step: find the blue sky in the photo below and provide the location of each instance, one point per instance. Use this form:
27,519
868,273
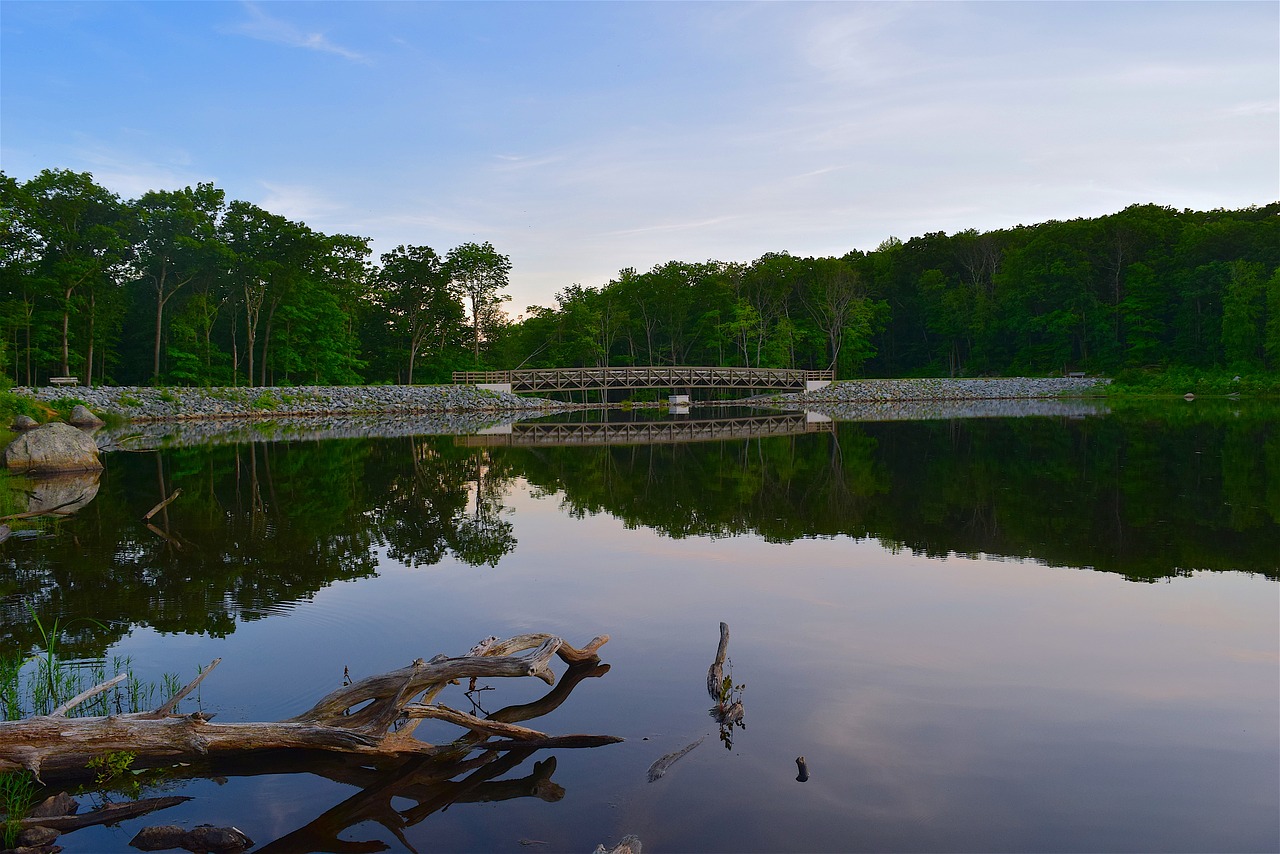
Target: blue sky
581,138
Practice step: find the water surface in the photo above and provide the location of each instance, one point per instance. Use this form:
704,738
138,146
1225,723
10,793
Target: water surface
1006,634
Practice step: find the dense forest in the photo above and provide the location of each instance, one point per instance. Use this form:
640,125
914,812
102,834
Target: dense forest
185,287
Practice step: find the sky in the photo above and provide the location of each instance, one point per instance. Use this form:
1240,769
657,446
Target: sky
581,138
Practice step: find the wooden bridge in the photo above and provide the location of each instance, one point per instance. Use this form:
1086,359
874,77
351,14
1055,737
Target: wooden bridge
543,434
671,377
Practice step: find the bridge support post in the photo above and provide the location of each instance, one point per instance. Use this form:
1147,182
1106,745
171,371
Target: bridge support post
814,385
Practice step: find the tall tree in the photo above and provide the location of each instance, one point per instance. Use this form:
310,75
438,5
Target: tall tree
177,241
83,250
481,273
415,288
834,295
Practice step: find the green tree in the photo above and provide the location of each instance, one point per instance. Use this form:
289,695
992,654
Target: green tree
176,243
82,249
1244,315
481,274
415,289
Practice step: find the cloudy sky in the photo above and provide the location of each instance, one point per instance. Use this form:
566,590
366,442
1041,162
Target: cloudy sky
581,138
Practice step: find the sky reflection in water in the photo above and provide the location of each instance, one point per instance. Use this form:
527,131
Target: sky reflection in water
942,703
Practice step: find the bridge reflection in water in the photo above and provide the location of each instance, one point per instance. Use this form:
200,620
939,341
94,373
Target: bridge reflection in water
533,434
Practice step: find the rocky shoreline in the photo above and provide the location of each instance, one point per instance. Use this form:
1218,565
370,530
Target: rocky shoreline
995,388
145,404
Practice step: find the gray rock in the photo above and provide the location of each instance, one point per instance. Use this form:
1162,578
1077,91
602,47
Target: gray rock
202,839
159,838
82,417
54,805
206,838
22,423
52,448
34,837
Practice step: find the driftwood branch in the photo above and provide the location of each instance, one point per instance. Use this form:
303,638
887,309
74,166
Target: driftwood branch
173,701
54,745
715,673
727,711
427,782
471,722
62,710
56,510
163,504
106,814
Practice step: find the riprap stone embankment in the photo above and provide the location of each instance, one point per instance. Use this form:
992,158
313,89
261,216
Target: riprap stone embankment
137,403
924,399
998,388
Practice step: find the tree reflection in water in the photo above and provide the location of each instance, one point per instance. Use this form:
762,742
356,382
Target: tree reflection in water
260,525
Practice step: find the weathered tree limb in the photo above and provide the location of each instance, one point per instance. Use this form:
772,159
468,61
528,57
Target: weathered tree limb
57,745
715,673
471,722
169,705
163,504
56,510
62,710
107,814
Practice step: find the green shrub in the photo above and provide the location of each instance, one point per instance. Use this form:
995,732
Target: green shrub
63,406
1177,382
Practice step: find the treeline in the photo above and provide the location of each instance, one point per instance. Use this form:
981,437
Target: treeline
1148,286
184,287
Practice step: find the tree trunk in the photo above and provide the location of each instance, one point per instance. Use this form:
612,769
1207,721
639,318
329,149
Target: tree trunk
160,300
66,329
88,358
266,341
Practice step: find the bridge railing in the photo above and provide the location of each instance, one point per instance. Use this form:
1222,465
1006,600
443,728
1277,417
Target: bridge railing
576,379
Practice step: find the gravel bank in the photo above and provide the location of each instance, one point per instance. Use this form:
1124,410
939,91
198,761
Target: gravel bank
892,391
180,404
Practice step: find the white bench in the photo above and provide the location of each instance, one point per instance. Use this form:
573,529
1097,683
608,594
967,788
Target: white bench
64,381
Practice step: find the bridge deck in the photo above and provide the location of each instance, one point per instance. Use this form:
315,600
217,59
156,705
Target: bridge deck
672,377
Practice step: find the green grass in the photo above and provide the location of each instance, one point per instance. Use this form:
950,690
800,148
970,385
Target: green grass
17,794
1176,382
39,682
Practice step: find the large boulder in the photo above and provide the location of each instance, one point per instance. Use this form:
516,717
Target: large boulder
51,448
82,417
23,422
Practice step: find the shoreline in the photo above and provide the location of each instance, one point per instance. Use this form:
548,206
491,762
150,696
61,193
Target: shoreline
145,404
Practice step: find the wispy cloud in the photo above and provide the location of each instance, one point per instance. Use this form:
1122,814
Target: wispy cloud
673,226
296,202
130,174
265,28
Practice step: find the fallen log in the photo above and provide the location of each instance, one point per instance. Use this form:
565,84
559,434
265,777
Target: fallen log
373,717
105,814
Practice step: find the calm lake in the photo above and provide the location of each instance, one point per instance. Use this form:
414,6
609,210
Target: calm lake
983,634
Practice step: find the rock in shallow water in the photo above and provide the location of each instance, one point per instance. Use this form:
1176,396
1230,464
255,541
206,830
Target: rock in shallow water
55,447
